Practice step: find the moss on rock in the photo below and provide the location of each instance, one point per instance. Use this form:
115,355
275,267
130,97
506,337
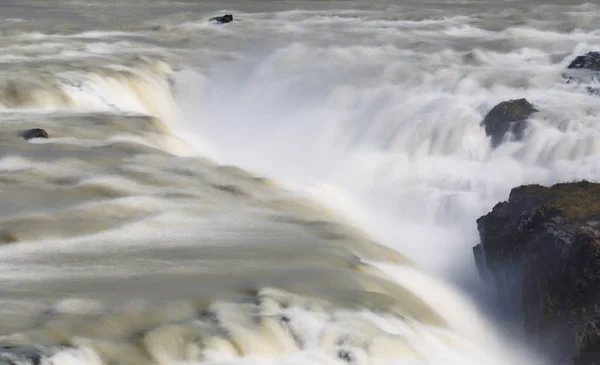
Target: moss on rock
575,201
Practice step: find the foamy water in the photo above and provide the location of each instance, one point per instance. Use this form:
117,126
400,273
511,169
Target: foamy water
299,186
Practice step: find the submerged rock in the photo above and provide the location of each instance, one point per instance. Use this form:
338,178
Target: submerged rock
227,18
541,252
8,237
593,90
11,354
508,117
34,133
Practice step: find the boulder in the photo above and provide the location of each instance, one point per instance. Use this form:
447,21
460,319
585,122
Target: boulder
34,133
227,18
589,61
540,250
508,119
585,69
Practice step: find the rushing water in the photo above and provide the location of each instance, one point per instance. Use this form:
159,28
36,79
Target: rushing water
299,186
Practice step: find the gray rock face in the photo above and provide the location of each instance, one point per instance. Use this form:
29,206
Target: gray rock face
509,118
541,252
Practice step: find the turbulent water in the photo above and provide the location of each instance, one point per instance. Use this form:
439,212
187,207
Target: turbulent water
299,186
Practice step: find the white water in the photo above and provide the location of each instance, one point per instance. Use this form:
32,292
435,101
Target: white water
343,106
147,257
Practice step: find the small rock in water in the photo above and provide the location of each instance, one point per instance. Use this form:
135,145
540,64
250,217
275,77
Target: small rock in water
345,355
232,189
35,133
227,18
508,116
589,61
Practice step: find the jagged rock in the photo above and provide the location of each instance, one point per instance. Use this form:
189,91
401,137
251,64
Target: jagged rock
508,117
541,251
227,18
589,61
585,69
34,133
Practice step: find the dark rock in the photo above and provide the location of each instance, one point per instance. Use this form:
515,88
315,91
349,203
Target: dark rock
588,344
34,133
590,358
227,18
585,69
345,355
284,319
541,252
508,117
589,61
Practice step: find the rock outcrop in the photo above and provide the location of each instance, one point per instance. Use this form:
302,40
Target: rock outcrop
227,18
508,117
588,344
585,69
588,61
541,251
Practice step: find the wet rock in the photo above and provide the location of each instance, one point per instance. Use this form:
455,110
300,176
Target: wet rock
588,344
508,117
540,250
589,358
585,69
34,133
227,18
345,355
589,61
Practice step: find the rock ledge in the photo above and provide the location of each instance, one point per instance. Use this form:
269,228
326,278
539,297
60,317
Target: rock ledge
541,251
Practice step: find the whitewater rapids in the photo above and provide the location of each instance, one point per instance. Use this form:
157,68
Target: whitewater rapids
299,186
